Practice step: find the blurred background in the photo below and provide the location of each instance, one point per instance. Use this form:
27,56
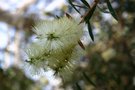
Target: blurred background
110,61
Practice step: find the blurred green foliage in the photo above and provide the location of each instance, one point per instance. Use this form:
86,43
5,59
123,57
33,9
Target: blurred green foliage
14,79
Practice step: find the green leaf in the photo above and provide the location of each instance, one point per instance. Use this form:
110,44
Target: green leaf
58,17
78,86
111,10
85,3
70,2
69,16
81,44
90,30
90,13
89,80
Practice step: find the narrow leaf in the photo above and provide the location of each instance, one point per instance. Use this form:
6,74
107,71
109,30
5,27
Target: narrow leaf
58,17
69,16
111,10
81,44
80,6
85,3
70,2
89,80
78,86
90,30
89,14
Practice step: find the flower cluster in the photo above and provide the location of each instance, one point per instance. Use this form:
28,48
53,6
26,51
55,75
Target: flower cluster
57,46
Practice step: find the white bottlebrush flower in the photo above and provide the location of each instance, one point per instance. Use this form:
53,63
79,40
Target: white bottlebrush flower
58,58
67,62
63,62
57,46
59,33
36,54
32,69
